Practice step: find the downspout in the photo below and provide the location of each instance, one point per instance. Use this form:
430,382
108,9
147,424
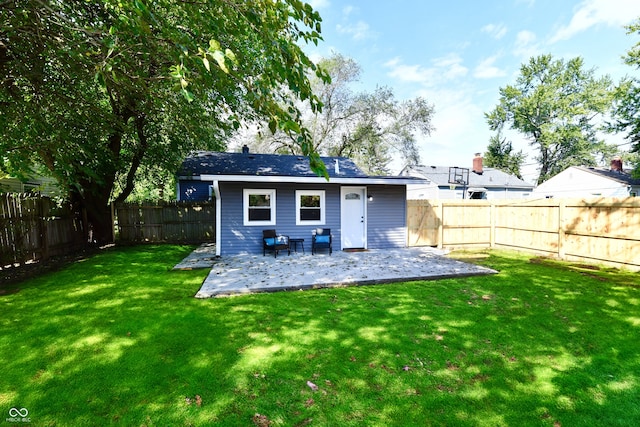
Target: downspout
216,191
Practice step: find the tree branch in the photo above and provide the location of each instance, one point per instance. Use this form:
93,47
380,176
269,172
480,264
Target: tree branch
140,122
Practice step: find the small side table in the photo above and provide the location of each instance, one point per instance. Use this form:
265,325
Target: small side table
294,243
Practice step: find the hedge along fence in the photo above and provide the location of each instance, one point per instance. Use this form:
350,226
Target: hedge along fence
602,230
176,222
35,228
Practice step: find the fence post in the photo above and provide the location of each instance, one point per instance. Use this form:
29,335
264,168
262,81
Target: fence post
441,225
492,222
44,233
113,222
162,221
561,228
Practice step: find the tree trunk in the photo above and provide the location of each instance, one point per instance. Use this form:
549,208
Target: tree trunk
99,225
544,164
143,144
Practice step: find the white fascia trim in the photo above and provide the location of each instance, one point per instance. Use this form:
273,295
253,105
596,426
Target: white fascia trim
302,180
216,190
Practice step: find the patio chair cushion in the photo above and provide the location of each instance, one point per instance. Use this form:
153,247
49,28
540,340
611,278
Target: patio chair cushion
272,241
278,240
322,239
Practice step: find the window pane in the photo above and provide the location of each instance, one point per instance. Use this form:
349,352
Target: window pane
309,214
310,201
263,200
259,214
352,196
311,206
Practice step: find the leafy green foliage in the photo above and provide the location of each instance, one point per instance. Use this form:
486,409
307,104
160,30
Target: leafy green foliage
500,155
554,103
626,112
95,91
368,127
119,339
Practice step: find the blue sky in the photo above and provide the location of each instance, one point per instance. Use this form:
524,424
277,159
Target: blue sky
457,54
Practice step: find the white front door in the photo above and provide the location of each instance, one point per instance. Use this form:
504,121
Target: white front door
353,216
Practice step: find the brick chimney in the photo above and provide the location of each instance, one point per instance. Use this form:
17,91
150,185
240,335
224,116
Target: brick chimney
616,164
477,164
245,149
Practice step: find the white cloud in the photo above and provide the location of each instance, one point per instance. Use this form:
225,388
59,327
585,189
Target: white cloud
451,66
358,31
497,31
594,12
443,69
526,45
487,70
408,73
319,4
460,129
347,10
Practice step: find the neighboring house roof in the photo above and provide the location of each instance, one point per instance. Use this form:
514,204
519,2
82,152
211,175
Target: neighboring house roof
208,165
622,177
489,178
583,181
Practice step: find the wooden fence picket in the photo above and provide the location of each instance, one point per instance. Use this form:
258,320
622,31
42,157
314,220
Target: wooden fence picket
33,228
604,230
188,222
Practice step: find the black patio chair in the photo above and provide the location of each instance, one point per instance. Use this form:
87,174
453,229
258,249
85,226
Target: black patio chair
271,241
321,238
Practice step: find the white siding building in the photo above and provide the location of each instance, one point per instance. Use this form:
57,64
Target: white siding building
581,181
44,185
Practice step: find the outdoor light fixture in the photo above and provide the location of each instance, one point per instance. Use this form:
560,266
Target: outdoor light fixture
370,198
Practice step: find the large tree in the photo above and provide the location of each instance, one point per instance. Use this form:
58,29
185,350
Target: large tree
627,100
369,127
97,91
500,155
555,104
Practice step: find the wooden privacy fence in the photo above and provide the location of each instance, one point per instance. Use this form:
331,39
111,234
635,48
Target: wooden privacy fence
603,230
35,228
186,222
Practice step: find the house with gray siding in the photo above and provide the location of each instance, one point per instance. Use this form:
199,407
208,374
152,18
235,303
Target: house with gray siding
478,182
254,192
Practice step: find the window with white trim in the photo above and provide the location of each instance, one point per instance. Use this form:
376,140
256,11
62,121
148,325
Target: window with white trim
310,207
259,206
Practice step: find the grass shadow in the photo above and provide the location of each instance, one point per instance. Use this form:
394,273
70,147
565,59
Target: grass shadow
119,339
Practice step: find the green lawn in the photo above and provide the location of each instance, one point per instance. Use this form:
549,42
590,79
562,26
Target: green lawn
119,339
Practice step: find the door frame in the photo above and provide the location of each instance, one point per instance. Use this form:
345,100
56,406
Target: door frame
343,213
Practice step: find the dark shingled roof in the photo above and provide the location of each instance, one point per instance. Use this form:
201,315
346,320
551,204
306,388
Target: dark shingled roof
215,163
490,177
620,176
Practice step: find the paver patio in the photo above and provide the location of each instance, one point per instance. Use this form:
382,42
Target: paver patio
240,274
